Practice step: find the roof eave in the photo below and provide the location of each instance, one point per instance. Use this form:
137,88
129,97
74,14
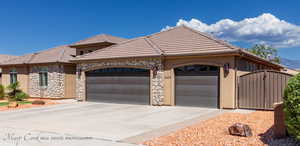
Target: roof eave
246,53
83,60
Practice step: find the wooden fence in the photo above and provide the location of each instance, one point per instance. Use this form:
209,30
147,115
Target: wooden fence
261,89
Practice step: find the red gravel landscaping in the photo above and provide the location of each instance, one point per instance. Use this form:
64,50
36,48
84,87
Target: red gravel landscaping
22,106
214,132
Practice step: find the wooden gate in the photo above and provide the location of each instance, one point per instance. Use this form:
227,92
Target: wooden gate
261,89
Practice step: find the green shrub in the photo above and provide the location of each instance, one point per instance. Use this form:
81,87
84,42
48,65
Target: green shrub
292,106
2,92
14,93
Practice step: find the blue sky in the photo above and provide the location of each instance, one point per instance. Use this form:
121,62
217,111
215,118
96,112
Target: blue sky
33,25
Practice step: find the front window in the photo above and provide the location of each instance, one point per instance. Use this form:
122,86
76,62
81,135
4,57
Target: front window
13,76
43,77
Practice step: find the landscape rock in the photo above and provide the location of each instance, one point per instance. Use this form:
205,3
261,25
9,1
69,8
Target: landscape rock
239,129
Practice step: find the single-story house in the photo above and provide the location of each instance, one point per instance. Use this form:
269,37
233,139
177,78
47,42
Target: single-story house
47,74
179,66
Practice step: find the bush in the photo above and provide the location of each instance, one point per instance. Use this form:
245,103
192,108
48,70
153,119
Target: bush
2,92
292,106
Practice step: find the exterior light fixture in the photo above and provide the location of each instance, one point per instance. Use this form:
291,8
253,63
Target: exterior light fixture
226,69
154,69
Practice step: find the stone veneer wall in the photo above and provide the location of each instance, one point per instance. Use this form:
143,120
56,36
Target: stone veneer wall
56,82
157,84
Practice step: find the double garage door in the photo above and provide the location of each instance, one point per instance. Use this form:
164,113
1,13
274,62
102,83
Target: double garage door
194,86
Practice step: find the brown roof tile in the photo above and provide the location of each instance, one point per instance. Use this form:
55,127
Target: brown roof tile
138,47
60,54
180,40
6,57
99,39
177,41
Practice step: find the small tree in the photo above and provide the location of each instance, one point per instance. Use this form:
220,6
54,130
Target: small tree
292,106
15,93
2,92
265,52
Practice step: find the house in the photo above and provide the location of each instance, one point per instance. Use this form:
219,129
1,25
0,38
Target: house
179,66
47,74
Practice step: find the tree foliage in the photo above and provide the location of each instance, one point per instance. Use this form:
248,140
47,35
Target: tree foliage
265,52
292,106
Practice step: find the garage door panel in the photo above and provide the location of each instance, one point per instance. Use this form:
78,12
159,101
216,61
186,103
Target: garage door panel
116,80
104,88
119,98
119,87
199,102
203,80
197,91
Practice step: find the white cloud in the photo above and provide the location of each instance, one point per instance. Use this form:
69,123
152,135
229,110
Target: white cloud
264,29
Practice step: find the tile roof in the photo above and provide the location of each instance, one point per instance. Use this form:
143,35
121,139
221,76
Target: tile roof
177,41
99,39
6,57
60,54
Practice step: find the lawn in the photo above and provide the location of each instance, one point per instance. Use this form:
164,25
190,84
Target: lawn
19,102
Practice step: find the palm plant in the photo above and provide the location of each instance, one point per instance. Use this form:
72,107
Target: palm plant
15,93
2,92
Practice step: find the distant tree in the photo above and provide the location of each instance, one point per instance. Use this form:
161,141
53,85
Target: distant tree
265,52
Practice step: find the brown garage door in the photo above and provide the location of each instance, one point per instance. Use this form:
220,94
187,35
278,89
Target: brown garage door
119,85
197,85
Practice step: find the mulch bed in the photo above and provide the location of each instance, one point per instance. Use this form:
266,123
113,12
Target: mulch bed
22,106
214,132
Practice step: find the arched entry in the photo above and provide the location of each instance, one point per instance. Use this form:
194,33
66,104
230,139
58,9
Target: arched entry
118,85
197,85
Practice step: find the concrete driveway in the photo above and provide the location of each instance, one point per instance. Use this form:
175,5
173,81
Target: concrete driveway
91,124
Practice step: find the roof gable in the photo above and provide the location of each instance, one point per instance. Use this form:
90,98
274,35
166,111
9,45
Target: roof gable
138,47
100,39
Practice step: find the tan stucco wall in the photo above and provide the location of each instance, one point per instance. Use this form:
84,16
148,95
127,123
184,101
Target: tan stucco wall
22,77
227,84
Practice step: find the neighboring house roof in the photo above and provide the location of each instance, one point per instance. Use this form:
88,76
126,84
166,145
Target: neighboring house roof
180,40
3,58
99,39
61,54
6,57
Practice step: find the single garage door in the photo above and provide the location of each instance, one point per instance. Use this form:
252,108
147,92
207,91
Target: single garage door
197,85
119,85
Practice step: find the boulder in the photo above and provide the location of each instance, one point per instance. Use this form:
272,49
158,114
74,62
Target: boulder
12,104
239,129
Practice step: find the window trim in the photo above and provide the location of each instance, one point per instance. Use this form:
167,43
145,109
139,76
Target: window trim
12,73
43,77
